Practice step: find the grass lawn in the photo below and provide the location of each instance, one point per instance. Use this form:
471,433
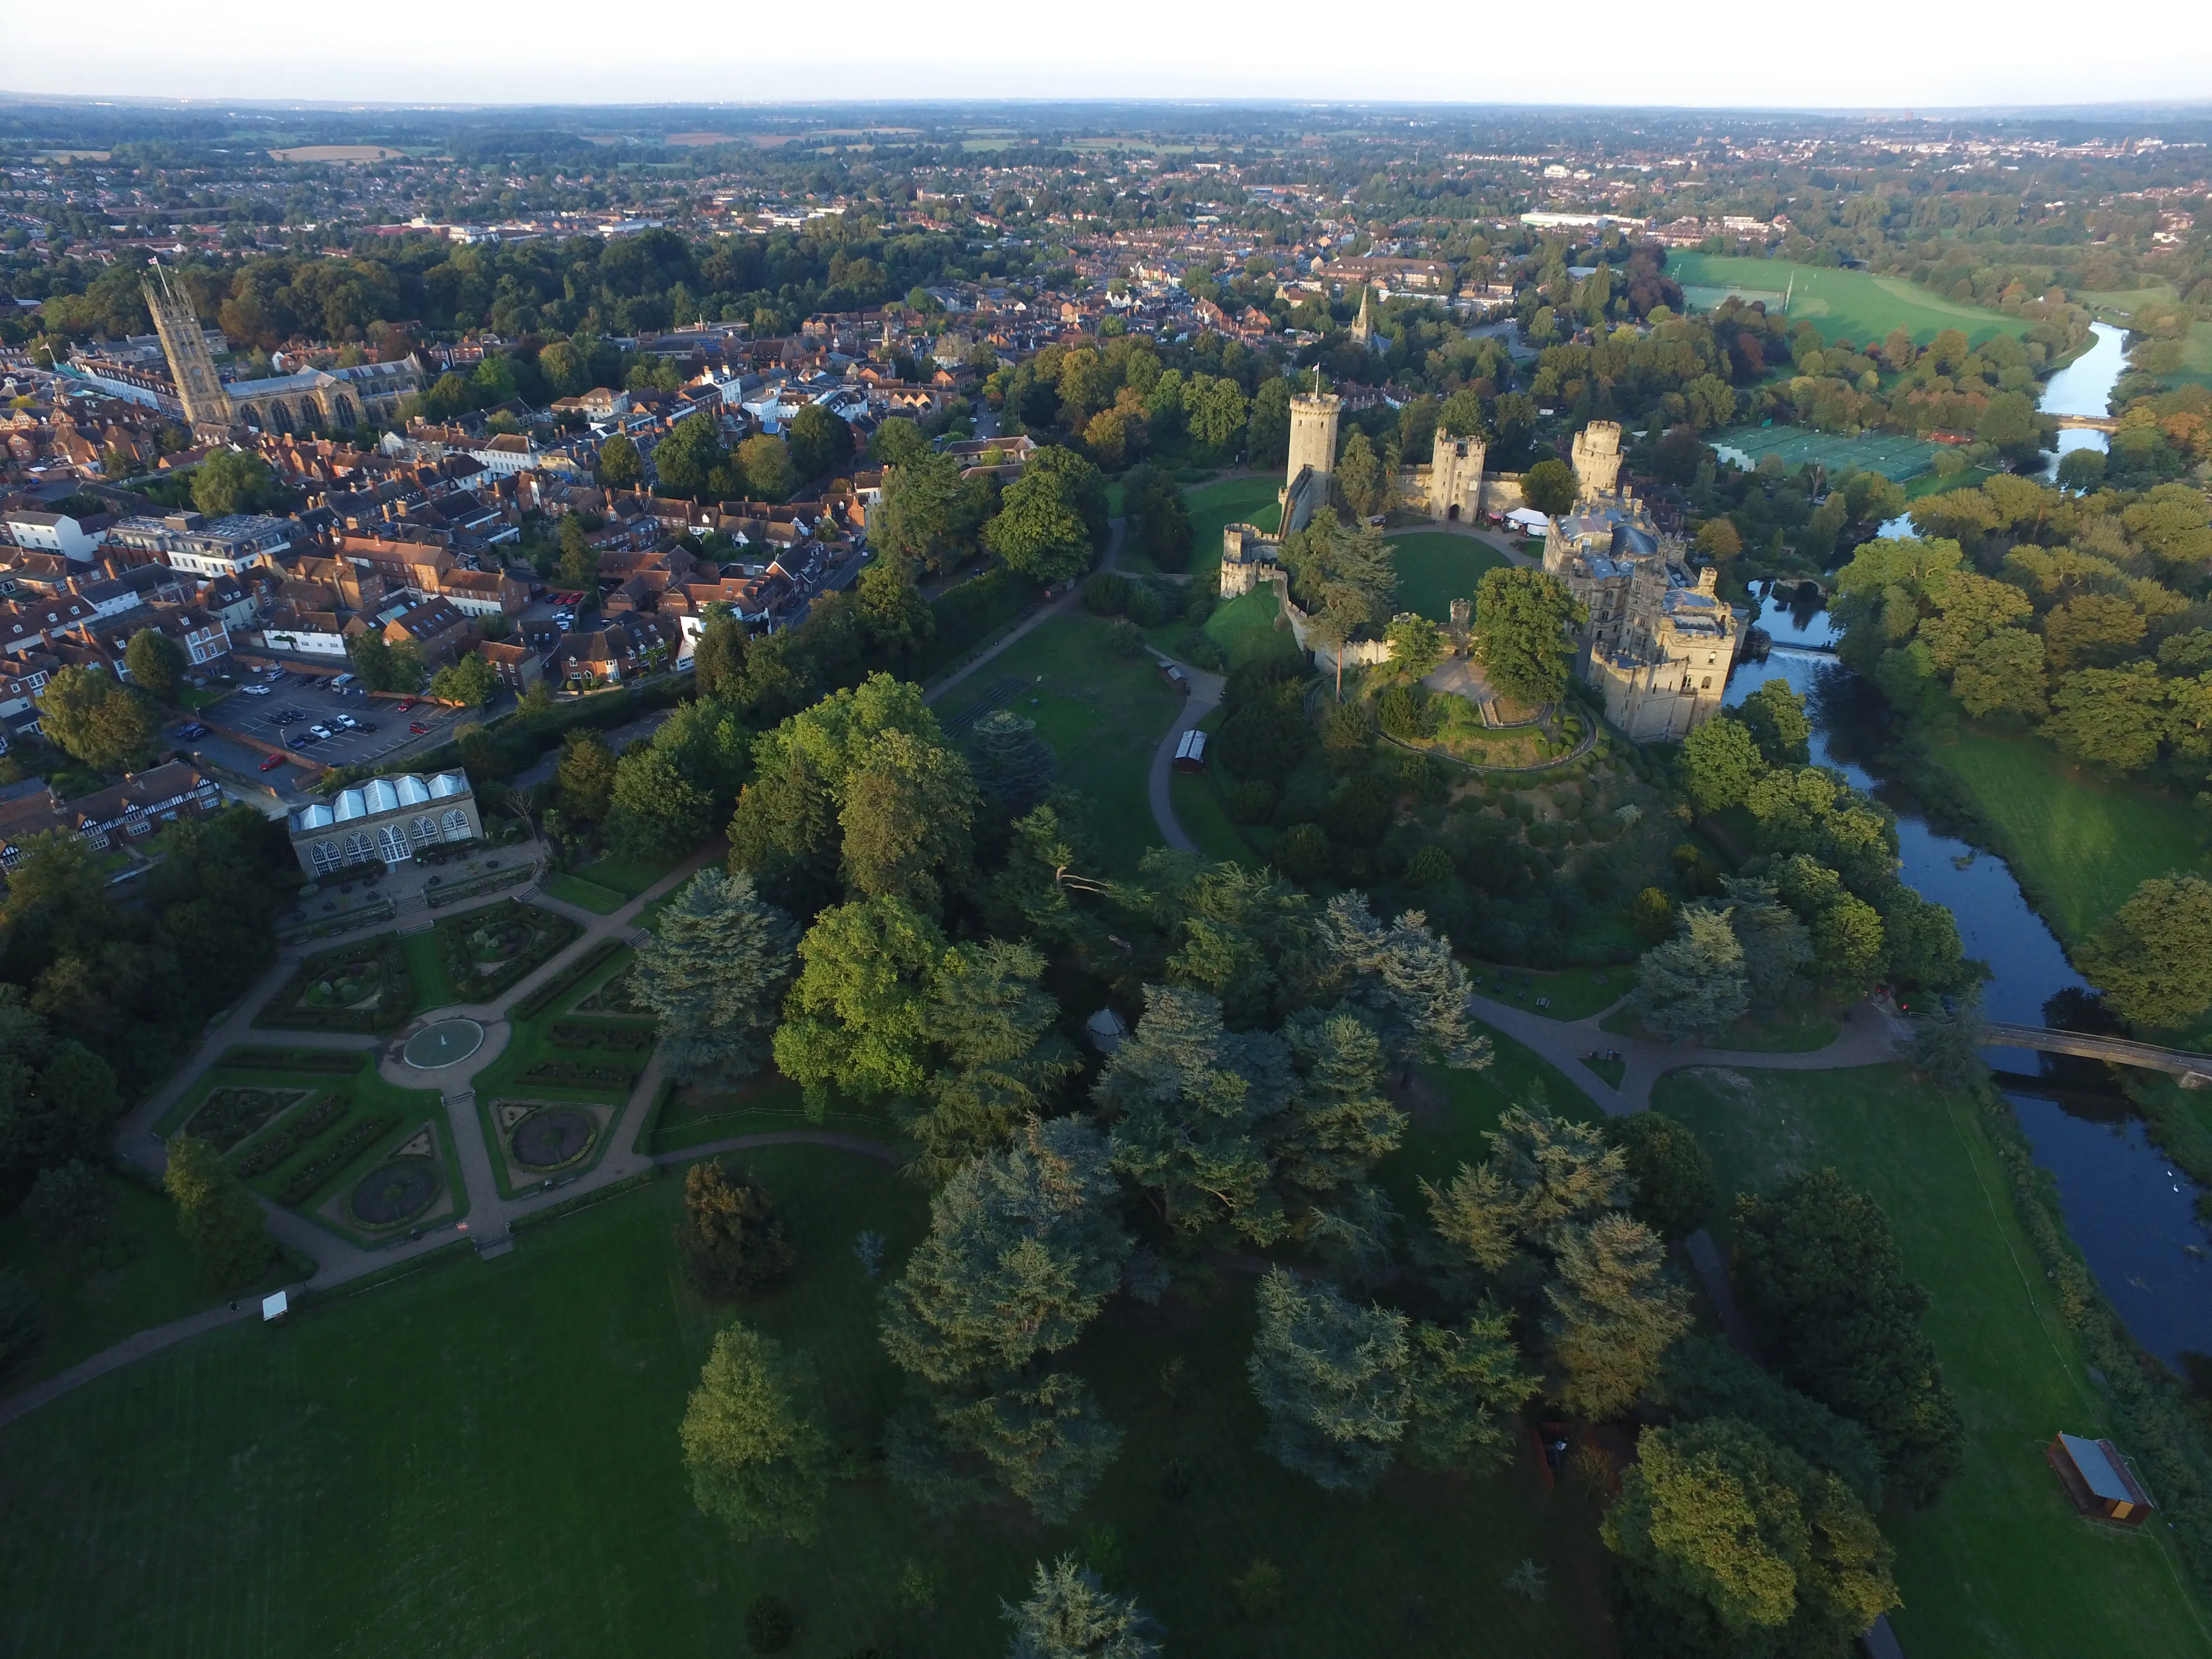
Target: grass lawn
1245,629
1798,1031
433,988
1574,992
588,894
1229,501
1104,715
1435,568
766,1104
87,1308
628,877
1199,807
2079,843
1853,305
481,1458
2001,1565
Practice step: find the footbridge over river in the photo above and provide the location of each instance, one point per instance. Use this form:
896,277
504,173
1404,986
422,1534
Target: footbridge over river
2194,1069
2087,423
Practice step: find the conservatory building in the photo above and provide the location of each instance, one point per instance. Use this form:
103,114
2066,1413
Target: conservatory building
388,818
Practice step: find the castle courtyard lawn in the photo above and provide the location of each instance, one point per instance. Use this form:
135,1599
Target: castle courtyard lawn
2079,843
481,1458
1435,568
2001,1566
1212,507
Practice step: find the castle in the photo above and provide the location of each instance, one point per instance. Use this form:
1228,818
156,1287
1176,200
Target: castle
317,398
1657,642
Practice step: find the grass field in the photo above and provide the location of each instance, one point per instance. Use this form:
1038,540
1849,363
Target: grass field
1246,628
1435,568
1896,457
1104,715
586,894
1199,807
1226,501
1574,992
2001,1565
2079,844
628,877
482,1459
1843,304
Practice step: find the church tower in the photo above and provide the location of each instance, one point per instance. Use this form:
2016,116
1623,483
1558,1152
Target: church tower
198,386
1363,325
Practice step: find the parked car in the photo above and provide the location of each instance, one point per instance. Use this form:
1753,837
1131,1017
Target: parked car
346,720
321,732
302,740
362,725
406,703
191,729
255,690
417,727
272,762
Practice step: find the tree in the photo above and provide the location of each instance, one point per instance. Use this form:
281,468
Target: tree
1340,1120
382,666
1544,1173
2153,959
1417,645
1038,1437
1190,1105
858,1016
820,442
655,810
1360,477
1009,763
471,681
1000,1057
1549,487
110,726
1706,1376
22,1326
1519,634
1040,528
1069,1614
1719,540
1614,1312
686,460
731,1239
230,481
714,972
1777,947
1694,984
1820,1276
1721,760
1673,1175
1332,1378
1404,976
898,619
897,442
922,516
620,465
156,662
908,805
756,1452
1161,517
763,462
1465,1381
1776,716
584,778
219,1218
69,1205
1733,1546
1025,1245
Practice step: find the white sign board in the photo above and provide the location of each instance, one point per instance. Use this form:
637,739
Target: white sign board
273,1307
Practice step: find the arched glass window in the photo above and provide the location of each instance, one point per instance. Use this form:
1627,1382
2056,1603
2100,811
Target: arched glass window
456,824
392,844
325,855
425,832
357,847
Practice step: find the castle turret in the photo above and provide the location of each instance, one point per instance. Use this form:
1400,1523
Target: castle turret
1598,459
1313,436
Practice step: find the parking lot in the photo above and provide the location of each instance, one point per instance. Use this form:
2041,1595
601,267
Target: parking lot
293,708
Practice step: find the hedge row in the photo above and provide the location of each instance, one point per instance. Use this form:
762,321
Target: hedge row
553,934
298,1132
303,1181
395,1001
604,1033
336,1062
568,979
577,1074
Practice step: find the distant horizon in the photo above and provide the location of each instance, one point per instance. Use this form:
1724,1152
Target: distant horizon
1894,55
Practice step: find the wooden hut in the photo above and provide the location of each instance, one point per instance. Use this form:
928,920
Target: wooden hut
2098,1479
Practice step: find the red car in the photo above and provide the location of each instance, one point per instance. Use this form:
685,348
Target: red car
417,727
272,762
406,705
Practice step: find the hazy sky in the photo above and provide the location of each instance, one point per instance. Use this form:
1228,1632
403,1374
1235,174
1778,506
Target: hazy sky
1881,53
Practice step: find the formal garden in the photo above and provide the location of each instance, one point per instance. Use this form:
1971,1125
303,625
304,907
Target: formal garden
365,986
484,951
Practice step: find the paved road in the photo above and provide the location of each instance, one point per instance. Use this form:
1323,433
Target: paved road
1205,697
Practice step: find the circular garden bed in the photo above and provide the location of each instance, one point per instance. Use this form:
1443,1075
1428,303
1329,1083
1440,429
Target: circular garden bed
552,1136
395,1193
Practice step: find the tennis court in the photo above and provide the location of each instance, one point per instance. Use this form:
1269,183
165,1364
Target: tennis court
1896,457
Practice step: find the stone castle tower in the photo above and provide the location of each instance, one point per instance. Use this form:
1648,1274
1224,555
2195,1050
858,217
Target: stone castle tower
198,386
1455,480
1313,435
1598,459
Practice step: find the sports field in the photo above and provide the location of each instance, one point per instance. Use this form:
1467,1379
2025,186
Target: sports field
1843,304
1896,457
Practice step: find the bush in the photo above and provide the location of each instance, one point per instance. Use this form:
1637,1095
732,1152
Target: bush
731,1237
259,1159
22,1327
1202,650
1430,864
1674,1175
1403,712
1148,607
301,1183
1302,852
1126,639
1106,594
1358,812
1264,740
768,1624
1252,801
1343,733
69,1205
